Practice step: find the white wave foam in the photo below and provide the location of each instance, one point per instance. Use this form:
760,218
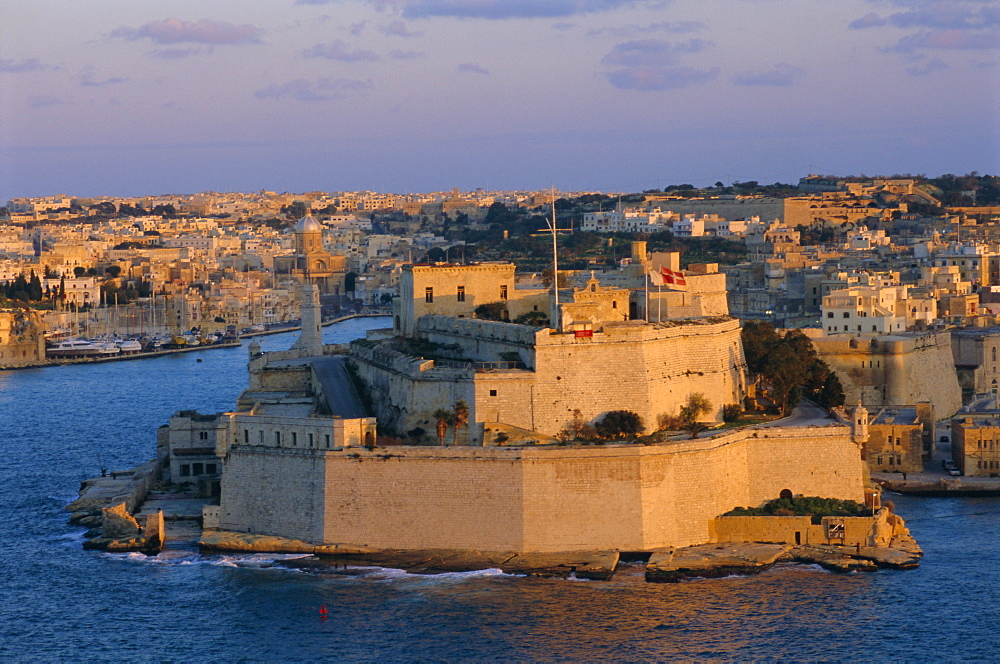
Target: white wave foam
189,558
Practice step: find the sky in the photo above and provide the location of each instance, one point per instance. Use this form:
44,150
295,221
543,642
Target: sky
132,98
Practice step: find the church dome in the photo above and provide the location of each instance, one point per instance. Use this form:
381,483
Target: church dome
308,223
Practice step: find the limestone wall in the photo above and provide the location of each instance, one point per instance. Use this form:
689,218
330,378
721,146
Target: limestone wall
22,343
624,497
277,491
877,530
628,366
895,370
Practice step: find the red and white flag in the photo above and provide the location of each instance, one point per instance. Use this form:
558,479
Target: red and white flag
667,277
673,278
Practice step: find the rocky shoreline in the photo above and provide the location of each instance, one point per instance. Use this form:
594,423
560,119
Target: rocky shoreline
718,560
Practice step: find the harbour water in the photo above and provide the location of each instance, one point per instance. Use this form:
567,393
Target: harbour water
60,425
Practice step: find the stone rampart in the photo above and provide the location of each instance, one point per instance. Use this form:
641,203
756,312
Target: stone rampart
650,370
895,370
532,499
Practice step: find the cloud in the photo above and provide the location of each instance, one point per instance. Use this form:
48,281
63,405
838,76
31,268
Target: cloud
87,79
357,28
948,40
339,50
660,78
632,29
563,26
502,9
870,20
926,68
324,89
44,101
781,75
651,52
472,68
398,29
176,31
396,54
22,66
175,53
939,24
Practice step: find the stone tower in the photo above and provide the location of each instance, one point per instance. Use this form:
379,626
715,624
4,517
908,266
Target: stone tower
859,425
310,340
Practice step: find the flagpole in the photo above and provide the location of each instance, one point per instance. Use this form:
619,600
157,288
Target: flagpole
659,304
645,283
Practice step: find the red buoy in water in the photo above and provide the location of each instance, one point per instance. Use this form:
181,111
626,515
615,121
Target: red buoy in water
322,611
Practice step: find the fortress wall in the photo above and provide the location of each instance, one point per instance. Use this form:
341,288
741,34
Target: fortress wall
765,208
509,333
274,491
512,402
639,368
627,367
624,497
895,370
444,500
482,340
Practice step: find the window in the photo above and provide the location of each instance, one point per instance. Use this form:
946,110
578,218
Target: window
246,436
503,291
493,393
198,469
295,439
829,314
461,293
185,470
202,435
428,294
310,440
210,469
327,441
277,438
261,437
614,304
847,314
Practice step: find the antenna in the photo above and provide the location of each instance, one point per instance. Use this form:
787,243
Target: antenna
555,267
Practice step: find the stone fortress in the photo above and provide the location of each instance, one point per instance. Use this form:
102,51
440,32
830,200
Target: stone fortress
299,458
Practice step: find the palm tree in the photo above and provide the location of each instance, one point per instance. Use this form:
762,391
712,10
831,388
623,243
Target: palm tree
461,418
444,418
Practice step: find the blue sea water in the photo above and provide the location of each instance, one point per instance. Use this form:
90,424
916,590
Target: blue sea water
58,425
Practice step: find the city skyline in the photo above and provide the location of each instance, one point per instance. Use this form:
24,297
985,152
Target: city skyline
426,95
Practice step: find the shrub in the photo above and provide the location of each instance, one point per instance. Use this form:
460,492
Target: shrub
731,412
492,311
619,424
813,506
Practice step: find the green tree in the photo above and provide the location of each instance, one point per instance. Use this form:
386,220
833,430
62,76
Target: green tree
492,311
533,318
697,405
619,424
788,368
